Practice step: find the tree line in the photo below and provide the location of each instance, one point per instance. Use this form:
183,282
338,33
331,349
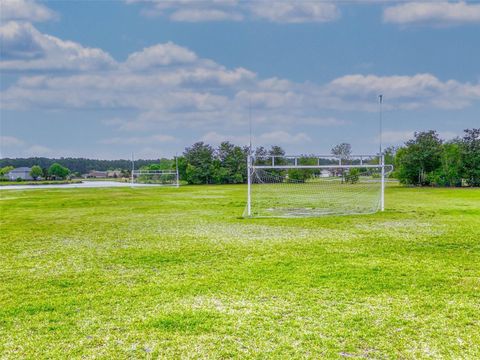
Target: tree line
427,160
77,166
424,160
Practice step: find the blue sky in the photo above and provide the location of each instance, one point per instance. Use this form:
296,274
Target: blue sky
105,79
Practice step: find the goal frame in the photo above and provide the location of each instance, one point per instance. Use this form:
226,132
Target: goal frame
251,167
137,173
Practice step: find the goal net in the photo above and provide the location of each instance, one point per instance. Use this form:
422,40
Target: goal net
314,186
158,177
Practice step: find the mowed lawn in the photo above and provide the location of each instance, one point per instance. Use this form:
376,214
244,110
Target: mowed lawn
177,273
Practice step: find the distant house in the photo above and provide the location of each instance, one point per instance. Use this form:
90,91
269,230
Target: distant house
20,173
114,173
96,174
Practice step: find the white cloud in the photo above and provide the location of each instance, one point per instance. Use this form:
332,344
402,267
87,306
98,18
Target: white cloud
25,10
288,11
23,47
160,55
407,92
440,13
11,146
283,137
167,86
216,138
38,150
267,138
201,15
294,11
10,141
134,140
394,137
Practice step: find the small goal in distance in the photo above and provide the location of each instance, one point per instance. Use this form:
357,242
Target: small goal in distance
315,185
155,177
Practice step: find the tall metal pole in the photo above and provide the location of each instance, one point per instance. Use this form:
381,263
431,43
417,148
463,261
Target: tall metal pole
380,99
381,156
133,169
176,168
249,182
249,160
382,196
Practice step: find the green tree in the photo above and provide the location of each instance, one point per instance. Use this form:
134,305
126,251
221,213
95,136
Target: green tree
199,160
470,155
419,158
162,164
57,171
298,175
352,176
261,156
278,153
232,166
449,173
36,171
343,151
5,170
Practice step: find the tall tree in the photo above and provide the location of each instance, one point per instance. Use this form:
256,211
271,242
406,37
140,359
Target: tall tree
470,149
277,152
199,161
57,171
233,159
420,157
343,151
36,171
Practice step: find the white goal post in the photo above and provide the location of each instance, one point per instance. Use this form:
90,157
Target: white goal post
315,185
155,177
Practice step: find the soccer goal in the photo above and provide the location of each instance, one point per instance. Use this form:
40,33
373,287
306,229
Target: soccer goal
155,177
305,186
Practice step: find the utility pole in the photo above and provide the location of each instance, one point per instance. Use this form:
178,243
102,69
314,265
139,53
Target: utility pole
133,169
380,99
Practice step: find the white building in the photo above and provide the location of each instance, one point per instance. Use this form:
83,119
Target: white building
20,173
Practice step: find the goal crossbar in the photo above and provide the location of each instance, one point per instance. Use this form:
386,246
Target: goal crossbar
313,166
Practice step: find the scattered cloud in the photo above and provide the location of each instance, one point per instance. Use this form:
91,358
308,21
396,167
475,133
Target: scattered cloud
405,92
139,140
294,11
167,86
283,137
38,150
201,15
10,145
160,55
10,141
395,137
289,11
25,10
433,12
23,47
266,138
216,138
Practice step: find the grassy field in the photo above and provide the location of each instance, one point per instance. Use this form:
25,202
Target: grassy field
176,273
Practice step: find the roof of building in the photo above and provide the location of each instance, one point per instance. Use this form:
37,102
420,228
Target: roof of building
21,169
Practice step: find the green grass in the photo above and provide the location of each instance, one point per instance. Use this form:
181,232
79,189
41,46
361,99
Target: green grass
176,273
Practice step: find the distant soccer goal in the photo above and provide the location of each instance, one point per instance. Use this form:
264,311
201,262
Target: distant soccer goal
155,177
306,186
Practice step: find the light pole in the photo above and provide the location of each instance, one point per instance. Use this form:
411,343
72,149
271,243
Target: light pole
380,100
133,169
